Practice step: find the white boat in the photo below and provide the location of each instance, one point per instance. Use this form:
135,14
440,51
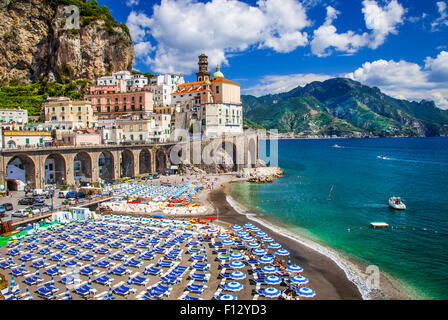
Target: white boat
379,224
382,157
396,203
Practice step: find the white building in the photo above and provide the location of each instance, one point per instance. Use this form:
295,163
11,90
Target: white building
14,116
136,80
162,86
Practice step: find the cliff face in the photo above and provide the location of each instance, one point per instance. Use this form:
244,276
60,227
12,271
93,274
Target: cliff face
35,44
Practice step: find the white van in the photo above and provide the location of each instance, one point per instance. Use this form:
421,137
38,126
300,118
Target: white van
62,194
20,213
40,192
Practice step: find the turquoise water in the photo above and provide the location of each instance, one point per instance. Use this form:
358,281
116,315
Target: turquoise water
328,190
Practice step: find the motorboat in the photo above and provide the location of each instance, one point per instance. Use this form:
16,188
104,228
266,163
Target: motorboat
382,157
396,203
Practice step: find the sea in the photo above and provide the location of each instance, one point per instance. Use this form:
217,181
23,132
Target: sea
334,188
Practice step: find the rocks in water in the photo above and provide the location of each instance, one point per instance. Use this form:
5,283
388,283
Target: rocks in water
262,174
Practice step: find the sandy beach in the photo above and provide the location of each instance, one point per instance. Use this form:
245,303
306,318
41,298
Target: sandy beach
324,273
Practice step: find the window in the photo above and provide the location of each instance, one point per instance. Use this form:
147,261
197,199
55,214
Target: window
62,109
98,109
108,109
116,109
217,89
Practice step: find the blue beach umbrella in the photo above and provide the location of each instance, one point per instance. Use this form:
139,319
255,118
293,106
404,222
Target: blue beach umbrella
248,225
242,233
259,252
237,228
269,269
253,245
273,280
274,245
236,256
90,280
282,252
227,242
67,294
266,259
13,282
261,234
267,239
306,292
129,281
299,280
294,268
247,238
237,275
213,230
223,236
254,229
271,292
234,286
236,264
226,297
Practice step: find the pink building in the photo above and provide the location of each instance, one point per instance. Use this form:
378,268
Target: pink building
114,101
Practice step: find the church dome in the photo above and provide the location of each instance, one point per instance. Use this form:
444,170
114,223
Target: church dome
217,74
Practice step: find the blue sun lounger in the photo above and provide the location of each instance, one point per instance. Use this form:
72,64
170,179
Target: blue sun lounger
103,264
170,279
51,287
165,263
153,270
16,272
134,263
38,264
120,271
44,292
73,251
67,280
115,245
27,257
87,257
104,280
130,251
127,240
199,277
141,281
33,280
70,263
123,290
44,251
196,288
85,290
57,257
188,297
142,245
102,251
52,271
200,266
118,256
4,265
86,271
159,290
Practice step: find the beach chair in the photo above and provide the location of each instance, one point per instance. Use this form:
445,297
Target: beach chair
52,271
123,290
86,271
70,263
51,287
4,265
147,256
141,281
196,288
200,277
45,293
120,271
118,257
153,270
85,290
134,263
103,264
164,263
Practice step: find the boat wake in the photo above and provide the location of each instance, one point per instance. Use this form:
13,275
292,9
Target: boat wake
342,263
412,161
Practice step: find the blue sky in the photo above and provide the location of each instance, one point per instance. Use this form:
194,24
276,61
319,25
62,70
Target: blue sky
272,46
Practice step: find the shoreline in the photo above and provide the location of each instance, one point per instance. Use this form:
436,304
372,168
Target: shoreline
335,274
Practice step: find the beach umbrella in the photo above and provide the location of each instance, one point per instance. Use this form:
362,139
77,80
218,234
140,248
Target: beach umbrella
266,259
267,239
129,281
213,230
294,268
299,280
67,294
259,252
247,238
274,245
237,228
306,292
261,234
269,269
90,280
271,292
223,236
27,292
13,282
52,280
227,242
282,252
236,256
273,280
37,272
253,245
237,275
248,225
210,218
226,297
254,229
236,264
234,286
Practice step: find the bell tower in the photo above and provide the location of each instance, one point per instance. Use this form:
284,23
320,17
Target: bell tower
203,74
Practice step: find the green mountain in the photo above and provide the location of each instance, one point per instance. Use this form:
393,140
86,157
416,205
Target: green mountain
343,107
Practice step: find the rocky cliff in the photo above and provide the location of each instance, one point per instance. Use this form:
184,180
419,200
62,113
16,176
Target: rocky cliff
36,43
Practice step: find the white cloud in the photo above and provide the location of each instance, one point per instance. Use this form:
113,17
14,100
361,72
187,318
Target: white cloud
408,80
381,21
283,83
442,19
185,29
131,3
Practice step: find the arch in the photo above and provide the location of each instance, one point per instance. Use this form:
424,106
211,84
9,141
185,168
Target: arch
127,163
226,156
145,161
252,156
161,161
106,166
82,167
20,171
55,169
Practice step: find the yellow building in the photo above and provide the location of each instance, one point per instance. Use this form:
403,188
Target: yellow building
66,110
164,109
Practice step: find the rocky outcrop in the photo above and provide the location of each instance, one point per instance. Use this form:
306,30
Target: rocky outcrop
262,174
36,44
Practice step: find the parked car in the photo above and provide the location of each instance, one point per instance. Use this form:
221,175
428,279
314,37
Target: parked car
156,176
2,209
26,201
80,195
8,206
70,195
32,210
41,207
41,192
20,213
39,199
